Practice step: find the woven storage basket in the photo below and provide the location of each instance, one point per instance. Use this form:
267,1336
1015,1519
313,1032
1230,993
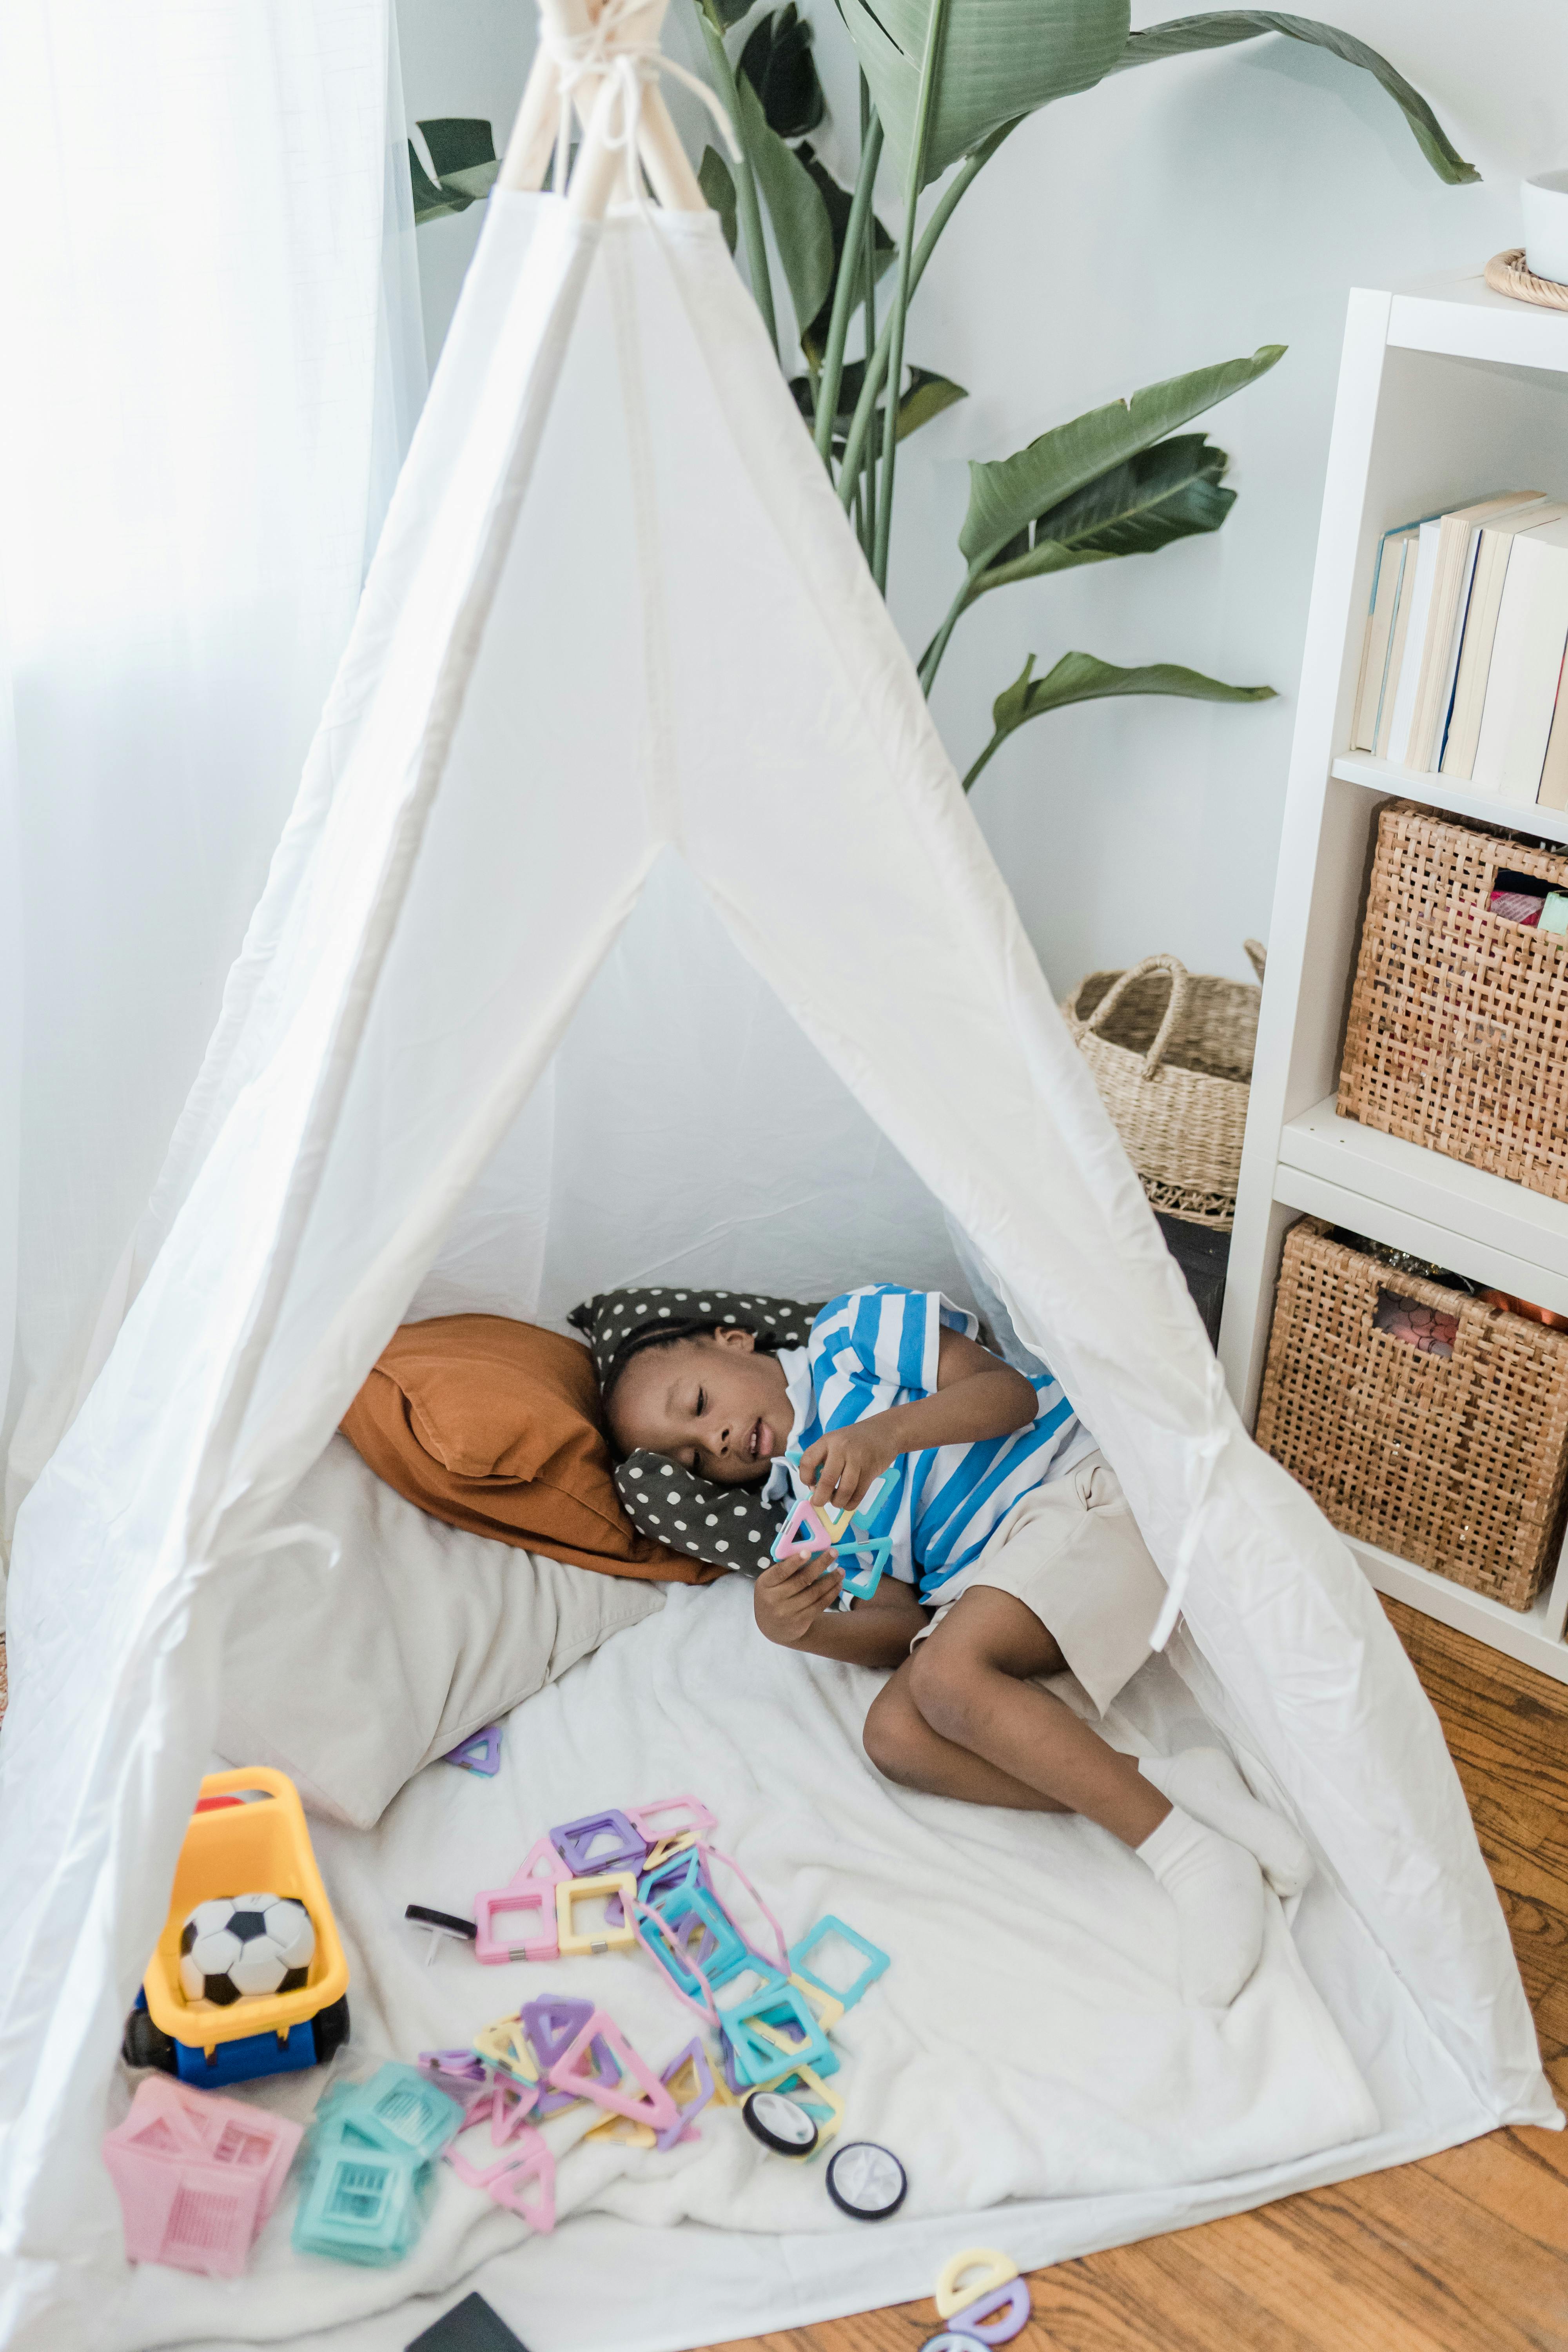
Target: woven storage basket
1455,1463
1171,1054
1458,1018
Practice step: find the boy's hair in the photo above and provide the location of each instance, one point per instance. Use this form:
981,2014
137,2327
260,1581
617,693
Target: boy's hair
669,1335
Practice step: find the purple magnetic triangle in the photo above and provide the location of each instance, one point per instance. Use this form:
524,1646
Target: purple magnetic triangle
479,1753
552,2026
572,1840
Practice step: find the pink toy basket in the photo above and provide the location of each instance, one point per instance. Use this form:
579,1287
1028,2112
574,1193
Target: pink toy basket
196,2175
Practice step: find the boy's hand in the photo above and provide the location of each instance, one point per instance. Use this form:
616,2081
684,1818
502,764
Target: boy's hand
841,1466
790,1596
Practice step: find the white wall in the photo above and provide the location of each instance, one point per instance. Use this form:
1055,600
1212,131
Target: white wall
1175,215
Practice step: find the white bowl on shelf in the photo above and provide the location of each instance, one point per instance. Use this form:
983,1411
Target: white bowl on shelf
1545,202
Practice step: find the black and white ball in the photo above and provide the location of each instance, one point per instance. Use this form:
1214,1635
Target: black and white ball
236,1946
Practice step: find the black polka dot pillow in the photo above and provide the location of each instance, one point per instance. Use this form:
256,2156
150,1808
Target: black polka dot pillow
617,1322
729,1527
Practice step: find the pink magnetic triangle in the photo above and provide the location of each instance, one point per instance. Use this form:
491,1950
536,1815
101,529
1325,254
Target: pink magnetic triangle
802,1534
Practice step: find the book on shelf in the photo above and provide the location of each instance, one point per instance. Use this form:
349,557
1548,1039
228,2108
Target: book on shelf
1526,666
1493,555
1464,654
1456,541
1377,649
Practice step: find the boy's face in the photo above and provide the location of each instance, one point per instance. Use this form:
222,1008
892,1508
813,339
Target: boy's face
718,1405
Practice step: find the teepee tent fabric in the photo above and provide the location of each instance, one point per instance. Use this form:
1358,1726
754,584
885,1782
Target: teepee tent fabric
630,916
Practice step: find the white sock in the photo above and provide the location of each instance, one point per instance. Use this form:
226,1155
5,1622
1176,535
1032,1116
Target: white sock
1206,1783
1217,1890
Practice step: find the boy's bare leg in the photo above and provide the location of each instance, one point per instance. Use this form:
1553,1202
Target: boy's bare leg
902,1746
968,1682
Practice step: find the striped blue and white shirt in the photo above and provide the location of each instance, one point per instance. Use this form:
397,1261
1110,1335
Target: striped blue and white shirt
871,1350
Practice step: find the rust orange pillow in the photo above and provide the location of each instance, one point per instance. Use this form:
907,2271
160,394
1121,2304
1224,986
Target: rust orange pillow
495,1426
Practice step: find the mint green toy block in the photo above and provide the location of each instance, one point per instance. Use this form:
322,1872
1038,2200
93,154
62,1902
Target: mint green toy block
874,1958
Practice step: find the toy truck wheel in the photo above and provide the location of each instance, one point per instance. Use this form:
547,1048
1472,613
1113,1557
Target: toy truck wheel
146,2045
330,2029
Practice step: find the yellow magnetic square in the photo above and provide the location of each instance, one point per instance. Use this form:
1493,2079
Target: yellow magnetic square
582,1890
828,2010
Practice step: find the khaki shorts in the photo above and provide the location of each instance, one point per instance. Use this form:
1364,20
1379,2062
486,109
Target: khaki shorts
1070,1551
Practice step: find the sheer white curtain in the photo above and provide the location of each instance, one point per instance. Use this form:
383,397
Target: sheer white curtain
214,360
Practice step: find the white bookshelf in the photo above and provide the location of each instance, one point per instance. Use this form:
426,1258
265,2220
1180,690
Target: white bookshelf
1446,392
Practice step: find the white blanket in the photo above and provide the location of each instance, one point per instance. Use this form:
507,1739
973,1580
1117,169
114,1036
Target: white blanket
1027,2050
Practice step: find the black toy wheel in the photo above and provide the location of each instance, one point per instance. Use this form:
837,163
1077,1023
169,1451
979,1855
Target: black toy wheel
867,2182
330,2029
779,2122
146,2045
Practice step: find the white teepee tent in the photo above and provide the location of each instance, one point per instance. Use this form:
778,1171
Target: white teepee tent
630,916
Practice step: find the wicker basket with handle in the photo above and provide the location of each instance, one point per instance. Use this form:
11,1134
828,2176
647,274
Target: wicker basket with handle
1171,1052
1454,1462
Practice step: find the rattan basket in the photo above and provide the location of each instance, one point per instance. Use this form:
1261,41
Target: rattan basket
1454,1462
1171,1052
1458,1017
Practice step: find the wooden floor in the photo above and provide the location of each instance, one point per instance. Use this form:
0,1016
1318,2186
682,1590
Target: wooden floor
1466,2252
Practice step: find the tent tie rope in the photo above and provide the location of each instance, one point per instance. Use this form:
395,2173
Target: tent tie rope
632,65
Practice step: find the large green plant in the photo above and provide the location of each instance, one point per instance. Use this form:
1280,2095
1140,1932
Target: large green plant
942,83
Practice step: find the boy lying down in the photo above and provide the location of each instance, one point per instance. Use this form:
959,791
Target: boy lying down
1014,1558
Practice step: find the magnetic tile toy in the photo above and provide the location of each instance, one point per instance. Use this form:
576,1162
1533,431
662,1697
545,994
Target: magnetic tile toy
696,1821
481,1752
581,2069
779,2007
612,1934
954,2288
876,1960
688,2079
502,1923
575,1842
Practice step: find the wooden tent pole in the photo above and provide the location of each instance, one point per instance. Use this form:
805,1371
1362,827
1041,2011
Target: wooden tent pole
529,150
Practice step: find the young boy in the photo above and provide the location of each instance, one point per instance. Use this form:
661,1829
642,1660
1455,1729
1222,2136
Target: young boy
1014,1557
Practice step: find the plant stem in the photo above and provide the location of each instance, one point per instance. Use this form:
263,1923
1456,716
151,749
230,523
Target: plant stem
995,743
745,179
844,292
868,331
912,185
877,366
938,646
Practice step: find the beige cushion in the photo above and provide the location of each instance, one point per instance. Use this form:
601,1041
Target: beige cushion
349,1678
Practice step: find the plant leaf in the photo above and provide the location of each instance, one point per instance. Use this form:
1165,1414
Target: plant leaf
717,183
429,203
925,396
795,207
838,201
999,59
1151,499
459,143
1007,494
722,14
1082,678
778,63
462,149
1184,34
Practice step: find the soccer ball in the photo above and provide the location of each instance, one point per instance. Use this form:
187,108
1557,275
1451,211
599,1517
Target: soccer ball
236,1946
